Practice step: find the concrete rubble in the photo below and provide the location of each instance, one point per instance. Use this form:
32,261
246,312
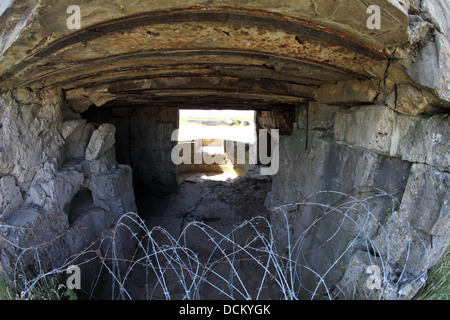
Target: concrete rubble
44,221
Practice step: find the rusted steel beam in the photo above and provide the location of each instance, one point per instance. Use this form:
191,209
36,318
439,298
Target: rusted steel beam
211,84
193,99
229,16
312,72
225,15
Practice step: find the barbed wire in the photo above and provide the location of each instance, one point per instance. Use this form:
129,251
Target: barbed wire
265,257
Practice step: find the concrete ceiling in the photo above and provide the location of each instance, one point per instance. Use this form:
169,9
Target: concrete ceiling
170,54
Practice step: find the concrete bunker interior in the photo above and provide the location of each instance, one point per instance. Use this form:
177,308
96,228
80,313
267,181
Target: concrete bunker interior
146,138
87,118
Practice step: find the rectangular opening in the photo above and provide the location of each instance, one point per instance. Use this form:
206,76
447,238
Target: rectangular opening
219,143
209,125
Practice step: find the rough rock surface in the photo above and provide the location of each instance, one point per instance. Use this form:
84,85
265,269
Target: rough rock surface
51,220
10,195
370,109
101,141
220,205
430,66
380,129
32,126
374,146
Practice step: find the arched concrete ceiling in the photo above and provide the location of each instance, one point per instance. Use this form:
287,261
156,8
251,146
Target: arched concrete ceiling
191,53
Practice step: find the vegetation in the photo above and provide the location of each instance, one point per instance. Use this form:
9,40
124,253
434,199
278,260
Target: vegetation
437,286
5,292
44,288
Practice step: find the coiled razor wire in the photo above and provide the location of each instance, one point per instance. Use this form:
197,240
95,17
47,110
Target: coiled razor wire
246,263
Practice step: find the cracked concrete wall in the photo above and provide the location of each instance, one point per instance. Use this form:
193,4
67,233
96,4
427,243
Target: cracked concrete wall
347,149
31,17
32,121
144,142
377,108
429,30
46,161
416,79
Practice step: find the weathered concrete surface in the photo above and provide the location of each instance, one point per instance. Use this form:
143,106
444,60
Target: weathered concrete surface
143,140
33,125
254,55
216,52
368,127
10,195
330,14
271,52
76,134
425,206
101,141
282,120
422,140
350,150
46,170
328,166
408,100
380,129
347,93
430,66
220,205
418,236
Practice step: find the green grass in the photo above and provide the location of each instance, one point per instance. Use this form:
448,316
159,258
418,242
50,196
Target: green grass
5,292
437,286
47,288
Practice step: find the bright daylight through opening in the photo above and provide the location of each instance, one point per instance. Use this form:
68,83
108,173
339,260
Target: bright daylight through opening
208,132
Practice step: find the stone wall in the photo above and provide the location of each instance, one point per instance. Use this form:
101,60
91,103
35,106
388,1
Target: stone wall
354,150
47,162
144,142
376,118
281,119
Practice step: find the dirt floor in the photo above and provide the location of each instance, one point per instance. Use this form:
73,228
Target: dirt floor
207,198
213,199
